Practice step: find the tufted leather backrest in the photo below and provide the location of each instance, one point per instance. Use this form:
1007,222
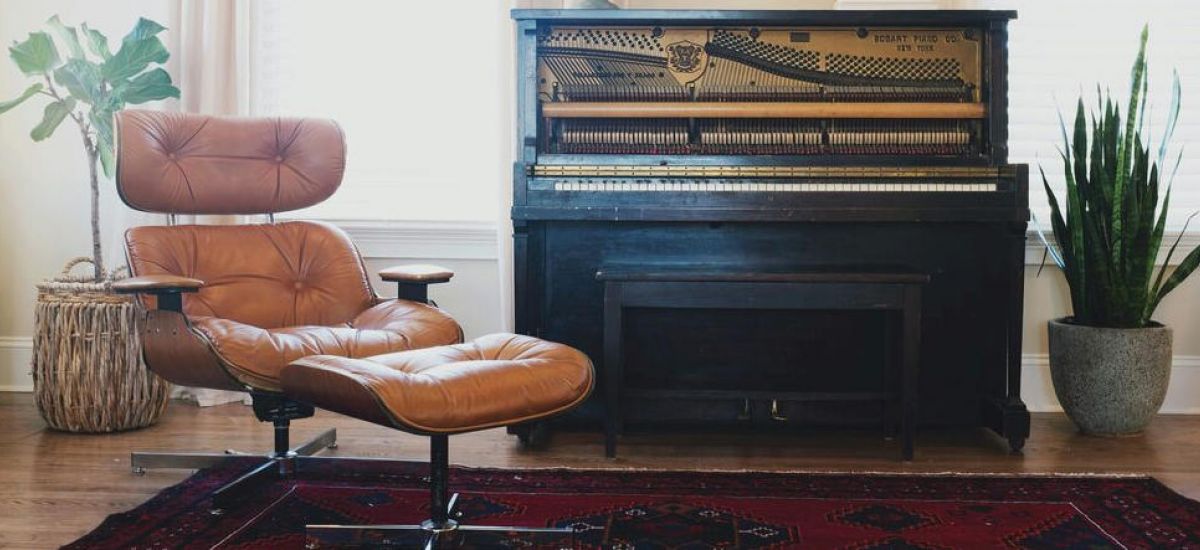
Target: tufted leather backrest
268,276
198,164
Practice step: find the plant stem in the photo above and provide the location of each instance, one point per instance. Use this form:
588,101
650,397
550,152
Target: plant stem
97,253
89,147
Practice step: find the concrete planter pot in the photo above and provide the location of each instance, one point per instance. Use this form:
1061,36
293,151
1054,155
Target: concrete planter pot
1110,381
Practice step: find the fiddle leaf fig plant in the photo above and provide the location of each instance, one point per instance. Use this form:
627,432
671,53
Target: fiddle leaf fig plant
84,80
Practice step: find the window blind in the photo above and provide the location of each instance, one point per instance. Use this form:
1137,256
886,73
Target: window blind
1062,49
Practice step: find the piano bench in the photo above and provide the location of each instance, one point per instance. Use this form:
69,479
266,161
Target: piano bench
824,288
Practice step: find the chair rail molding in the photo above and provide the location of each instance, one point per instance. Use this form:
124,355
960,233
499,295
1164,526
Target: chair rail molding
432,240
1034,249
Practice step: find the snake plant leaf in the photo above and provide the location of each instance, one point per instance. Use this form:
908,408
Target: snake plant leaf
1075,222
97,43
82,80
1155,244
29,92
1182,271
133,57
1141,270
148,86
1069,262
68,36
35,56
1079,147
51,118
1172,117
1137,85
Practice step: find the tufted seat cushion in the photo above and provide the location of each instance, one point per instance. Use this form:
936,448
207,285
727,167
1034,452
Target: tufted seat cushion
267,275
259,354
495,380
274,293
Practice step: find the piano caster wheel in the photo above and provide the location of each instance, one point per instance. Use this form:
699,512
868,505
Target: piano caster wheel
533,435
138,471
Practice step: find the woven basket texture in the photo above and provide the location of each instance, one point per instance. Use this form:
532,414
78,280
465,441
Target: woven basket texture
88,374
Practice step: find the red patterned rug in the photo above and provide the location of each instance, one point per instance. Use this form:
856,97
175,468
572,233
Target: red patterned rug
692,510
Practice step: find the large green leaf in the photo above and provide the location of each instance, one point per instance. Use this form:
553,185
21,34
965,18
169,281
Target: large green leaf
28,93
82,80
133,58
145,28
36,55
68,35
97,43
52,117
148,86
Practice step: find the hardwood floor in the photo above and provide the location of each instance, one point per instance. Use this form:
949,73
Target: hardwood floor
55,487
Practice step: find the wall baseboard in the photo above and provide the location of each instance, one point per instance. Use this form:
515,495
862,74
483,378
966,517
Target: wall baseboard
1037,390
424,240
16,354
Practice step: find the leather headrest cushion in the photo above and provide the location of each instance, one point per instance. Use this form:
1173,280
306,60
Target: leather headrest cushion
196,164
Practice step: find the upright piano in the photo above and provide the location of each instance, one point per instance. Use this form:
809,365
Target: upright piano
759,140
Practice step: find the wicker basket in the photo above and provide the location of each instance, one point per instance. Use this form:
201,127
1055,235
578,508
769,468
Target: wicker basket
88,374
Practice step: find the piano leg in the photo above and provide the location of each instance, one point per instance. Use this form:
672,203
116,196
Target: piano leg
1014,416
1016,424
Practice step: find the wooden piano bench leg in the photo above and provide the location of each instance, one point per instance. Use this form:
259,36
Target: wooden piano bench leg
911,368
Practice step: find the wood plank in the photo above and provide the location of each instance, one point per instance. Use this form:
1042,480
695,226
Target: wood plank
55,487
701,109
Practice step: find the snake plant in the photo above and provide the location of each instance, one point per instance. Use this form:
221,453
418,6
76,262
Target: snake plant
1109,233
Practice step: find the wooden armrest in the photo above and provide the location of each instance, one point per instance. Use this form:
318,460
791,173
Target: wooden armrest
424,274
157,284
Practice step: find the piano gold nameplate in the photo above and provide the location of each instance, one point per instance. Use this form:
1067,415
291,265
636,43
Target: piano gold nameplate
694,171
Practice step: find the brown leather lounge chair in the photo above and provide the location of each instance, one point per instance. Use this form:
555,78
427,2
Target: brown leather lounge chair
231,305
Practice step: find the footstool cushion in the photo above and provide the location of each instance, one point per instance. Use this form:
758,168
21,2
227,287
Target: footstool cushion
494,380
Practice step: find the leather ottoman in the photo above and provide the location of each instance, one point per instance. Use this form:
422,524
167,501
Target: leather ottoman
492,381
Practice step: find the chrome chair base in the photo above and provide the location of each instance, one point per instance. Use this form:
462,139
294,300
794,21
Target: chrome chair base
280,464
443,530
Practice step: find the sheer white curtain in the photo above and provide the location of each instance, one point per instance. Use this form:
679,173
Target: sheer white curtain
212,56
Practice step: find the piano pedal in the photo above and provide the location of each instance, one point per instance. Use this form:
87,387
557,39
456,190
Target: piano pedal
775,414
